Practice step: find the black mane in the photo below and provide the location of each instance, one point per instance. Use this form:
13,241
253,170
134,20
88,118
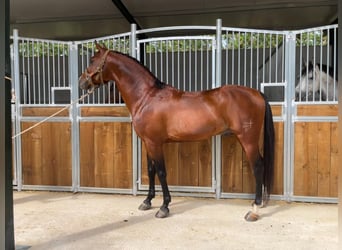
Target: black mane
158,84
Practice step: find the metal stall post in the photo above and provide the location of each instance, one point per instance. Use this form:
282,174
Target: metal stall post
290,78
6,194
217,82
135,141
74,115
17,129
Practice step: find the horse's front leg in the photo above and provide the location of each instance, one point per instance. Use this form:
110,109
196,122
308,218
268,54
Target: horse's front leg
157,166
161,171
151,191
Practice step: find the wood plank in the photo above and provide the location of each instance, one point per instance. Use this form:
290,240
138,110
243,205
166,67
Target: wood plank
231,165
172,163
334,167
317,110
31,155
122,155
87,156
323,159
278,184
305,157
277,110
113,111
205,163
46,154
188,164
44,111
103,148
64,154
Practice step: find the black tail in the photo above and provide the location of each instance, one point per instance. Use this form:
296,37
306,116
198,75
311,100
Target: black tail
268,150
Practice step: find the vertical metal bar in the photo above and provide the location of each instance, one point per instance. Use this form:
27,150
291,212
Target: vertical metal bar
172,62
16,83
218,82
307,62
314,63
276,60
264,58
201,66
195,60
238,64
190,66
136,146
74,117
335,65
38,51
251,62
290,57
270,59
44,73
167,61
320,62
227,63
257,62
301,63
233,54
245,61
328,64
283,60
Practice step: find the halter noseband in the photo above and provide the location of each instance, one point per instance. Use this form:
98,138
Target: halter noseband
99,70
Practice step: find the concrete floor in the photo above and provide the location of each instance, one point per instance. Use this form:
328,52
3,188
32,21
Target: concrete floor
58,220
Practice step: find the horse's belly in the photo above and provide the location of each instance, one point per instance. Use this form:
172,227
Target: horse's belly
195,127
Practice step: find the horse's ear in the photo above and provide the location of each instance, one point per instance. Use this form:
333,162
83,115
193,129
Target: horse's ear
304,64
97,45
100,47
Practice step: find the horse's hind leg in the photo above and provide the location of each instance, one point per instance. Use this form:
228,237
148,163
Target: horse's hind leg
151,191
255,160
258,172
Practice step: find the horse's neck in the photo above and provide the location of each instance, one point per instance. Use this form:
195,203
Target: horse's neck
132,80
327,85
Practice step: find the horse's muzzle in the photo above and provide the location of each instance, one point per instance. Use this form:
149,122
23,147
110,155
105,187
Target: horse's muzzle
85,82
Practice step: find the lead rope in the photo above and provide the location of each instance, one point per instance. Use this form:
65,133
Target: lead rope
54,114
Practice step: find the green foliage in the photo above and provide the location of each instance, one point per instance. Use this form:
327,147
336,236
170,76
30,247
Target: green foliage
244,40
178,45
230,41
314,38
30,48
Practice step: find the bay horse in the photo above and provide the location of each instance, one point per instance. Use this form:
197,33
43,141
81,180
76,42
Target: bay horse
163,114
317,83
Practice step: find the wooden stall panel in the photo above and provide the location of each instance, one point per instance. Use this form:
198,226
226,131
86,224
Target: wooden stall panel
237,176
317,110
46,154
316,159
187,164
44,111
117,111
106,154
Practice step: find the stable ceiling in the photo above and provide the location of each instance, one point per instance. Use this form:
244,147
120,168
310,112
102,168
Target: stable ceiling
81,19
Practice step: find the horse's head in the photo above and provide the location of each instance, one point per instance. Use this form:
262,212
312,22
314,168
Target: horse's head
93,76
307,86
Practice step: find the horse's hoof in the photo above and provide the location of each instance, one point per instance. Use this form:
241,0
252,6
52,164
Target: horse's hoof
146,205
163,212
250,216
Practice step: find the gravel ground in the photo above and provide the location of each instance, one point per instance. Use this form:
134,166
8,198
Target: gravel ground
58,220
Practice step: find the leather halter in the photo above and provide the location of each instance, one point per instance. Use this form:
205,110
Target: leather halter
99,70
